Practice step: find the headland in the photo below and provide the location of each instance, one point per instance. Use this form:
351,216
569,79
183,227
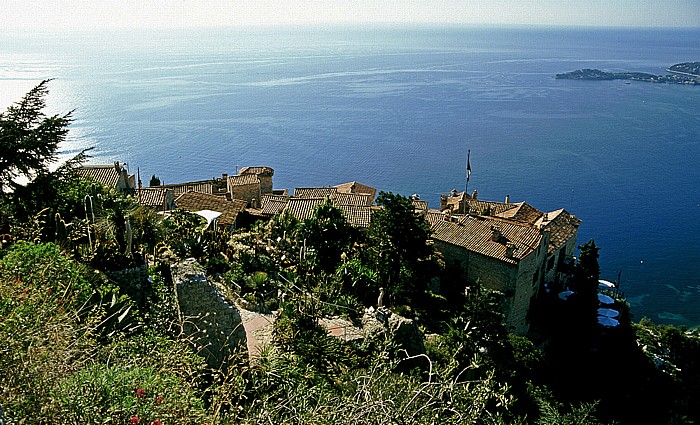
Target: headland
687,73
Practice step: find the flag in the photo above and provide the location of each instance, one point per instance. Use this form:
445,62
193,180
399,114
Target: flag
469,166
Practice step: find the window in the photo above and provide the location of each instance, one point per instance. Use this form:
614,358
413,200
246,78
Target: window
550,263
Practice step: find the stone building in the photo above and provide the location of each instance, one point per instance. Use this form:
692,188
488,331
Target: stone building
355,187
156,197
501,255
250,185
264,175
510,247
562,227
353,199
115,175
196,201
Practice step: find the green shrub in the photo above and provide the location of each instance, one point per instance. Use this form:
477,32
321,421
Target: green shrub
116,394
43,327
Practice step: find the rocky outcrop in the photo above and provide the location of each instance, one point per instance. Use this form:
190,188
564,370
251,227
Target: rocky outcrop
213,325
404,332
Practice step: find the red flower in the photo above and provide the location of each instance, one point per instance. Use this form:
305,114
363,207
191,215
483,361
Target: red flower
156,422
140,392
159,400
134,420
49,291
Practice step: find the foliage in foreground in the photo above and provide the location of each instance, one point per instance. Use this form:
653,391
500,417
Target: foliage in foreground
58,364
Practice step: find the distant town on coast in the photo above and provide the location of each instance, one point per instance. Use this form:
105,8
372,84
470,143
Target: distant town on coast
687,73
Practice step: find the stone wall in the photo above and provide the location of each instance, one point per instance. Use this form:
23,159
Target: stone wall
519,282
247,192
265,183
131,281
213,324
531,272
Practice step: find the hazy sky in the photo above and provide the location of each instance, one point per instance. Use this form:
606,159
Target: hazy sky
81,14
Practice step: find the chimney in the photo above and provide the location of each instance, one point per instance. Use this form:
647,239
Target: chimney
510,249
475,194
507,199
224,176
546,217
443,202
495,233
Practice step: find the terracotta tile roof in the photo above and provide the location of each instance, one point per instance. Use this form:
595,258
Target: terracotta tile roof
303,208
273,204
105,174
256,170
360,199
196,201
561,226
243,180
265,197
151,196
420,205
205,186
494,208
522,212
355,187
475,234
357,215
431,216
314,192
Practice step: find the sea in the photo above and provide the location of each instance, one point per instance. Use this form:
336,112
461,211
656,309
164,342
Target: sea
399,108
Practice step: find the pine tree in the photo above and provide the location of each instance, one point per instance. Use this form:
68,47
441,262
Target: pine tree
29,139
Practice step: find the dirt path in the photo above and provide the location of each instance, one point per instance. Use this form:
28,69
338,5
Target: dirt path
258,330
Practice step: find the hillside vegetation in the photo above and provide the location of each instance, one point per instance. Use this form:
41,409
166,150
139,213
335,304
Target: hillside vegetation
81,346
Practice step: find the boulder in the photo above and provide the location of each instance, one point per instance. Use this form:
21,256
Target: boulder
403,332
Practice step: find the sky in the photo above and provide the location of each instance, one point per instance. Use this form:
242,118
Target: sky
101,14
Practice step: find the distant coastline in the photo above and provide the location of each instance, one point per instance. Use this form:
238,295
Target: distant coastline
687,73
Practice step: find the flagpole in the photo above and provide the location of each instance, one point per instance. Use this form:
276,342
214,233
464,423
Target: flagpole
466,185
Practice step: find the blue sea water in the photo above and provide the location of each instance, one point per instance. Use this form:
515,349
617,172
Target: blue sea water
398,108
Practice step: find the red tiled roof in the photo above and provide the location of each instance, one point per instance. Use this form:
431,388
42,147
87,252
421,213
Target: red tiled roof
314,192
359,199
256,170
151,196
303,208
105,174
243,180
196,201
205,186
431,216
357,215
561,226
475,234
420,205
522,212
494,208
273,204
355,187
